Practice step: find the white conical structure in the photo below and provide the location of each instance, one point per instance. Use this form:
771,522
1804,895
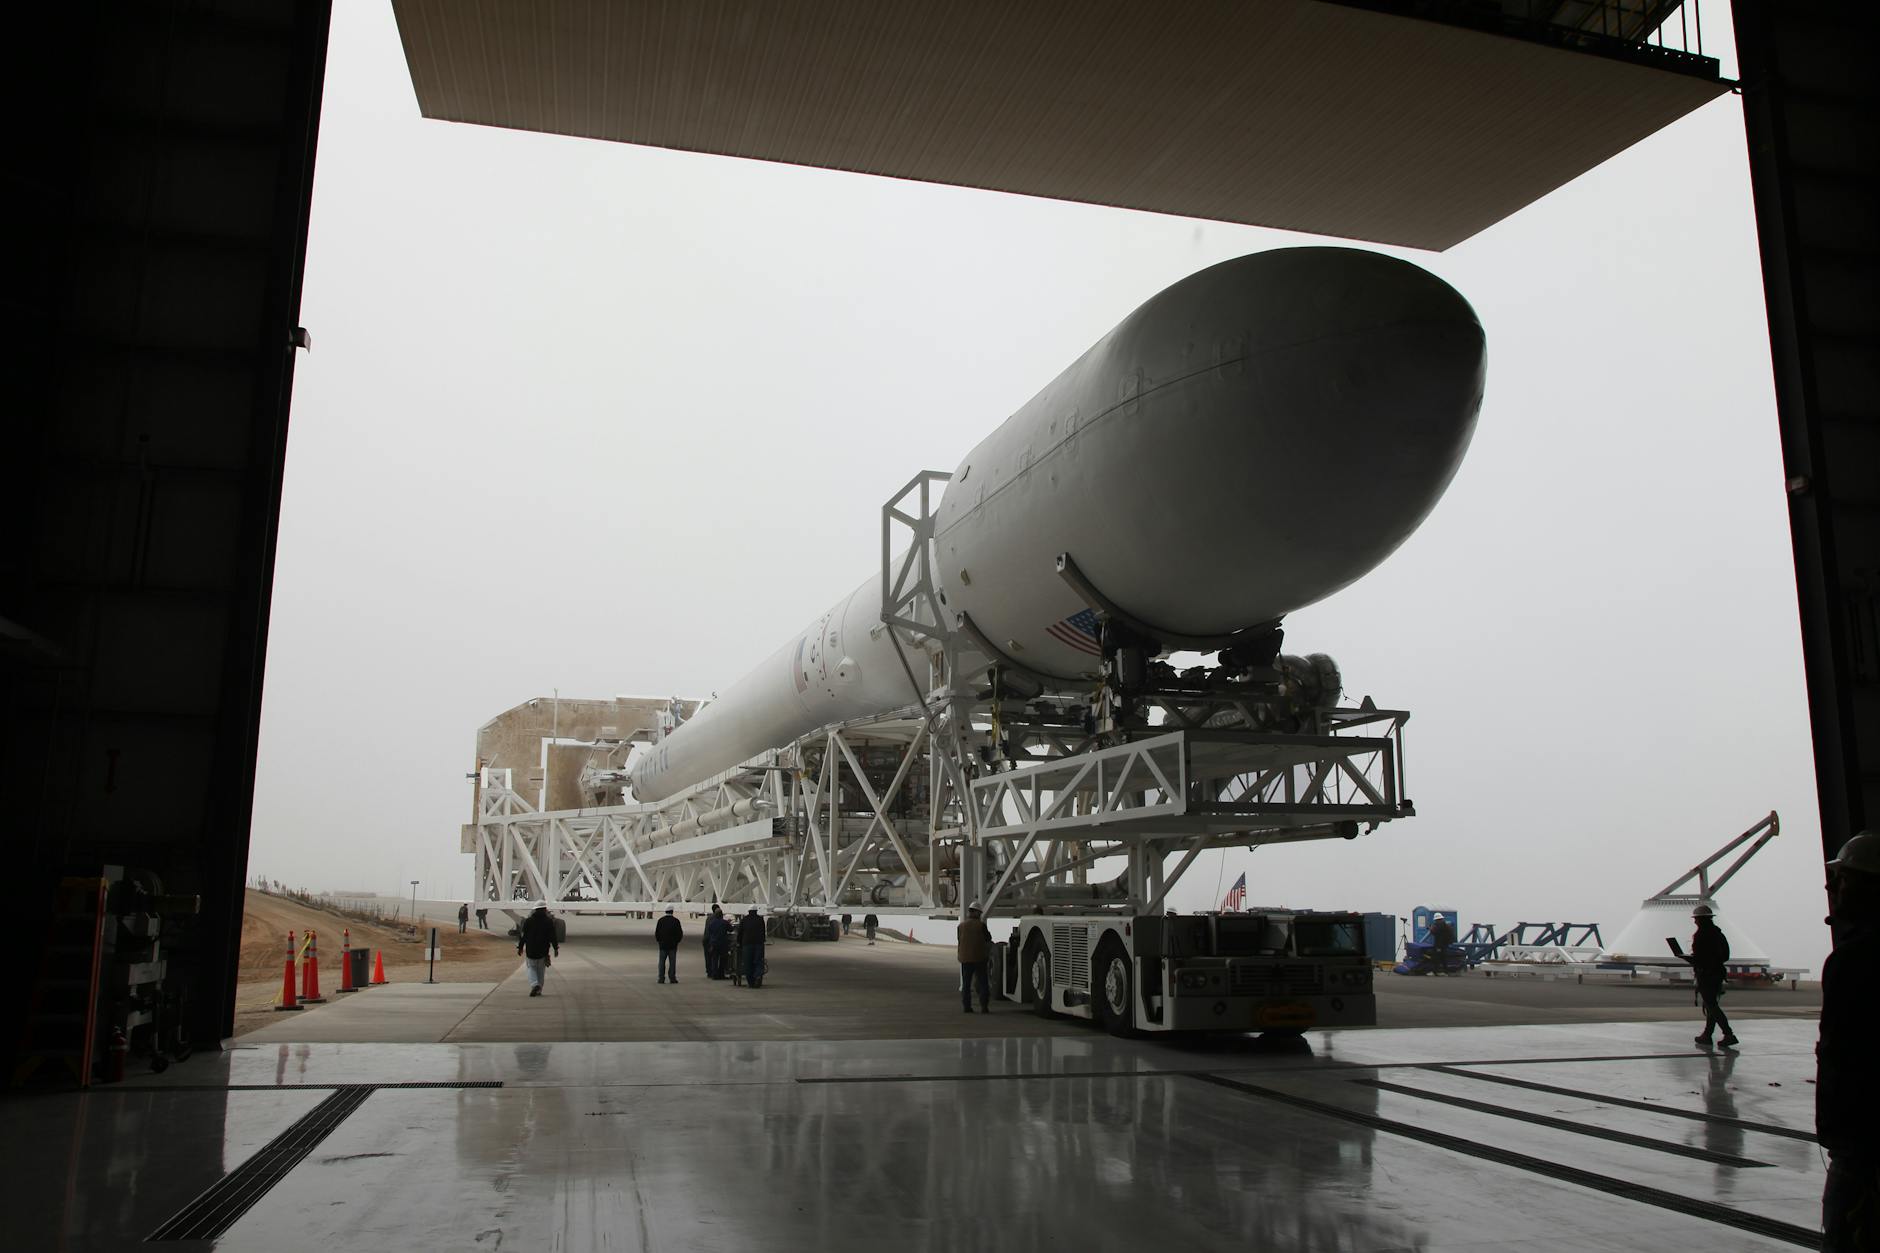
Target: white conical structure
1666,914
1642,943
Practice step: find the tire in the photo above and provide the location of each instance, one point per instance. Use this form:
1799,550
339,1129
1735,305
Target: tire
1035,975
1113,988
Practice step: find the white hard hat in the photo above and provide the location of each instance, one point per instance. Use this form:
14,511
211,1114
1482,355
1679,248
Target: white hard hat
1861,853
1703,911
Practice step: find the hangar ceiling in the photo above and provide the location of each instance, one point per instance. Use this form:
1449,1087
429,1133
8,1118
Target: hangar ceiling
1296,114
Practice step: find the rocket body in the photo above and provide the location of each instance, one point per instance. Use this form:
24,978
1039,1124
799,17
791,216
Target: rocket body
1249,441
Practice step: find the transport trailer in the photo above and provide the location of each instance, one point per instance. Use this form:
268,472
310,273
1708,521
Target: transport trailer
1271,971
802,925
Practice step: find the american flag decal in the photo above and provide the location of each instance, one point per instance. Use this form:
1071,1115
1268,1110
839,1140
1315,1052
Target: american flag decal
1079,631
1236,898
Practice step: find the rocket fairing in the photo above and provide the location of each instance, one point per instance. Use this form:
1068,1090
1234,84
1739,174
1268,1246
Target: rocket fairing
1249,441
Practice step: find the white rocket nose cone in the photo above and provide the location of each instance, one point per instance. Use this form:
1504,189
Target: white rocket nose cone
1249,441
1346,421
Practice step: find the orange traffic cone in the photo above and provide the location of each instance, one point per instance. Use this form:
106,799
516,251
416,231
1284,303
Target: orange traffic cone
287,978
310,973
378,967
345,961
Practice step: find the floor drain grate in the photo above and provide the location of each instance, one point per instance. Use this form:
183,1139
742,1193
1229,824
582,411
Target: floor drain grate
225,1201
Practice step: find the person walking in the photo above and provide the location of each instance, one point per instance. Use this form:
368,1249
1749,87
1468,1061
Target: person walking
848,920
533,940
483,919
667,933
1847,1085
751,948
1710,954
869,923
463,917
717,935
975,952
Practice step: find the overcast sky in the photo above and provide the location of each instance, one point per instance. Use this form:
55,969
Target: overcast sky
616,420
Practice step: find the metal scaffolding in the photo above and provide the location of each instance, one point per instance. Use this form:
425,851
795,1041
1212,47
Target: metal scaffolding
992,786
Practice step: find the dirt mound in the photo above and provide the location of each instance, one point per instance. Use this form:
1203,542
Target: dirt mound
474,956
267,919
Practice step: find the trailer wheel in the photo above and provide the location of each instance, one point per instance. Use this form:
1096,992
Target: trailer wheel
1114,984
1037,976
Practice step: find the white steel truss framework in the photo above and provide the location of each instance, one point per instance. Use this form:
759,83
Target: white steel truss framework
969,794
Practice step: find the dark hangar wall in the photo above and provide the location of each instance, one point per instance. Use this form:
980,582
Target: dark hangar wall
160,159
1809,96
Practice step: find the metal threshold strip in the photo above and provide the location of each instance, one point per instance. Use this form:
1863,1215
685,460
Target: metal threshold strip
1568,1125
234,1194
1803,1237
1721,1120
1331,1067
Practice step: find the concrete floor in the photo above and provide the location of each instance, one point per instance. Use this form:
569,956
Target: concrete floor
1584,1137
849,1105
603,987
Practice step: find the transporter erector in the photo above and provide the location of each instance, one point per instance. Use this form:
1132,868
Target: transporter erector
993,717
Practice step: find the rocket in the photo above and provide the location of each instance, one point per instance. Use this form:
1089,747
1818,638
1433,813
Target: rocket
1249,441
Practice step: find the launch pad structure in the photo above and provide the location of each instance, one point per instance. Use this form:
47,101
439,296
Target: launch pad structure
993,785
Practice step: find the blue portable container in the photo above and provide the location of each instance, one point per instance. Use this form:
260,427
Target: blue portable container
1423,915
1380,937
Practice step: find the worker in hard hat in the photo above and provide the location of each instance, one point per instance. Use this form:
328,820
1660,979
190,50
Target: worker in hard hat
975,954
1847,1086
533,940
1710,954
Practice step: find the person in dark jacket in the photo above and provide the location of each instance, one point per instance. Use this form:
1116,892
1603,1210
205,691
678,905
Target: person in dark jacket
751,948
667,933
975,954
1442,936
463,917
533,940
717,940
869,923
1710,954
1847,1082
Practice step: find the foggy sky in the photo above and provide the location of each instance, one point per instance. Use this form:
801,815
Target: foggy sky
617,420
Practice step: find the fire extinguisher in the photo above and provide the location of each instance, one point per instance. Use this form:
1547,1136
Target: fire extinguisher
120,1053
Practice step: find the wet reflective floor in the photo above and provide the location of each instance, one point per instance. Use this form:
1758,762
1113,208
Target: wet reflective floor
1594,1136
